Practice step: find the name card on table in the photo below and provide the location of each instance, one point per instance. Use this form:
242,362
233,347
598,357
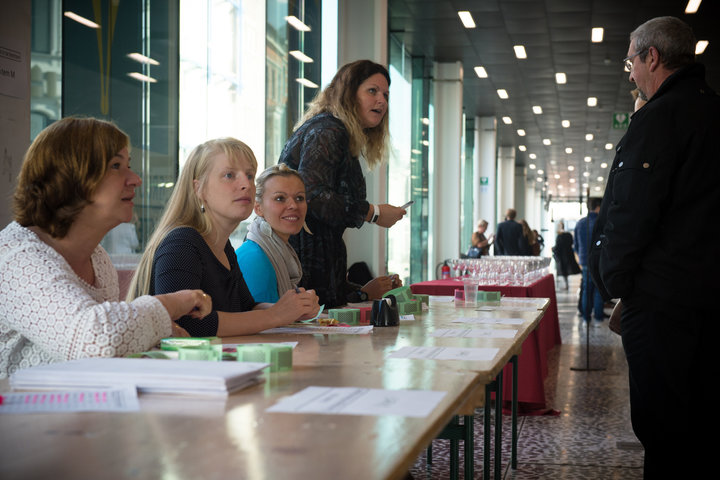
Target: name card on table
360,401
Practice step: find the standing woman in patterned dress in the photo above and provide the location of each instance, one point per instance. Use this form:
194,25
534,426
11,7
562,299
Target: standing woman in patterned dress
349,118
59,295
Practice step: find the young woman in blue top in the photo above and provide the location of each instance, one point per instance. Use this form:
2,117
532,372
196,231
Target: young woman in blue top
268,262
191,245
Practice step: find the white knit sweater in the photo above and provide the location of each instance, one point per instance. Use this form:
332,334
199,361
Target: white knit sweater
49,314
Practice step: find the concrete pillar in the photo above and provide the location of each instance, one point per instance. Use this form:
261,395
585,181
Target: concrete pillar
362,34
505,181
485,172
447,146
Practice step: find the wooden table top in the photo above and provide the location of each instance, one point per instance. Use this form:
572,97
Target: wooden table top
185,438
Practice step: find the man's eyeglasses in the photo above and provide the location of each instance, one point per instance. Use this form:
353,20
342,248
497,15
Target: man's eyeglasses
628,60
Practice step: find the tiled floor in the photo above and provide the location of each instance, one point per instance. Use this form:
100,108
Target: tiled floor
592,437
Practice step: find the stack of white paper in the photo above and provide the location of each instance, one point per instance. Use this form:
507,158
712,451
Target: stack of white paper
146,374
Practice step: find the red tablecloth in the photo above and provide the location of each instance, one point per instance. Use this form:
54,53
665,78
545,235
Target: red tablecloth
532,362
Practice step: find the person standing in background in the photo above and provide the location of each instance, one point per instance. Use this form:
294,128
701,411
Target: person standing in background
479,244
591,301
346,120
564,256
509,239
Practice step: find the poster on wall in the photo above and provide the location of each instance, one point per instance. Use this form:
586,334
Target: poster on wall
13,69
14,97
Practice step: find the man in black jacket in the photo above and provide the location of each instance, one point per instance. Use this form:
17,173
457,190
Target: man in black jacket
509,238
654,246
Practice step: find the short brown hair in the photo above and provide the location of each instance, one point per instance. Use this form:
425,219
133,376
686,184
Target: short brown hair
61,170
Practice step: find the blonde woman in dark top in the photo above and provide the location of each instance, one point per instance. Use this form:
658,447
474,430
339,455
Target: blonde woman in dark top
191,245
347,120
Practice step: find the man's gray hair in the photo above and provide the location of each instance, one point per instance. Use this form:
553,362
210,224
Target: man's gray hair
673,39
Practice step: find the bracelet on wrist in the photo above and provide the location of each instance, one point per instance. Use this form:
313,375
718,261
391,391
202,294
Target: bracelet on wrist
376,214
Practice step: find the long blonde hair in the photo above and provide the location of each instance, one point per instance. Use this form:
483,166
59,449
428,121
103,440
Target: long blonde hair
185,209
340,99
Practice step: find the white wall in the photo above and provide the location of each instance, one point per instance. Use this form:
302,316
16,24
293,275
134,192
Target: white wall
14,97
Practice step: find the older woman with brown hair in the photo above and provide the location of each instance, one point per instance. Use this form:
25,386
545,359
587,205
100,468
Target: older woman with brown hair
59,296
347,120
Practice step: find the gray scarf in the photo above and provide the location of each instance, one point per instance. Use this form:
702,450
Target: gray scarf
285,261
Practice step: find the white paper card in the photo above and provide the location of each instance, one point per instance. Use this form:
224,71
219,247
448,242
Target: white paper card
474,333
360,401
490,320
507,309
103,400
314,329
446,353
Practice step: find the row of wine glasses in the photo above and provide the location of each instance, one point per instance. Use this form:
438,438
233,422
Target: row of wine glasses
500,270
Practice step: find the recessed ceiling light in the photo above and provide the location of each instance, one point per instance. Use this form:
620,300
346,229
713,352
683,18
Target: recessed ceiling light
539,179
520,51
521,132
560,78
571,167
297,23
603,165
700,46
586,174
540,172
306,83
532,166
571,180
537,109
82,20
597,189
568,150
301,56
502,93
139,57
466,19
592,101
608,146
587,159
597,34
481,72
532,156
546,141
522,148
600,179
565,123
557,175
692,6
589,137
507,120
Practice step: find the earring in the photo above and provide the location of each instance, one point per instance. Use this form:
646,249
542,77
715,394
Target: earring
202,208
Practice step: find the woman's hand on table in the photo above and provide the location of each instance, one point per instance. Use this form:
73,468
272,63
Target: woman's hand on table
194,303
298,304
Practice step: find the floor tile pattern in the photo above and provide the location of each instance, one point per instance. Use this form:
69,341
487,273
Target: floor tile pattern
592,437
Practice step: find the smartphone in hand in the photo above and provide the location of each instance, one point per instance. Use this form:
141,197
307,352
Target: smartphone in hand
408,204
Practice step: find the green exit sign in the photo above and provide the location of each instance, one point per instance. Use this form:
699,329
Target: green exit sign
621,120
484,181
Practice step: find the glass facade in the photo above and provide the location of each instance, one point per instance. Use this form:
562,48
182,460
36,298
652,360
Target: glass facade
245,69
